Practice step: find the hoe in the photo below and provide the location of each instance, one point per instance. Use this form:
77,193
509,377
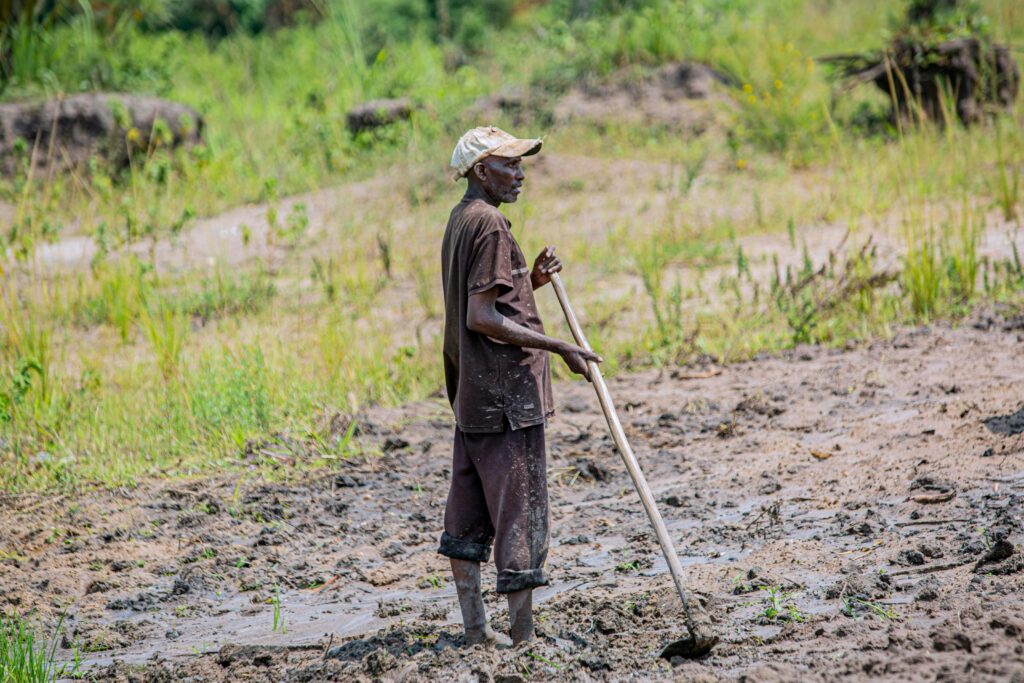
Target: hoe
700,640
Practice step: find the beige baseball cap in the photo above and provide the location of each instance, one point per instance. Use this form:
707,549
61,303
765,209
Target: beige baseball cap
486,141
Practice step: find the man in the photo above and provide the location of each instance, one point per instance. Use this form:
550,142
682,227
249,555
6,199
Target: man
499,385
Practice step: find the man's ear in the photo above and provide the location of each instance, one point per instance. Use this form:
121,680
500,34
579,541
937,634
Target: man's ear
480,170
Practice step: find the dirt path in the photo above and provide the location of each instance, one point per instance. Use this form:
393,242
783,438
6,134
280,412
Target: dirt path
879,488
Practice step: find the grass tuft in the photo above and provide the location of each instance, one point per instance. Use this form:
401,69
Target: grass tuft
25,658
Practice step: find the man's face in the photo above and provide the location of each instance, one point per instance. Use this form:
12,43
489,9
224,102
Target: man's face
501,177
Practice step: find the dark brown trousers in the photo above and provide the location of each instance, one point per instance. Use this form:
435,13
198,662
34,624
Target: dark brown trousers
499,493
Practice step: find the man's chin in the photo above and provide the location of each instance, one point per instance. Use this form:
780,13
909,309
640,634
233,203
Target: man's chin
510,198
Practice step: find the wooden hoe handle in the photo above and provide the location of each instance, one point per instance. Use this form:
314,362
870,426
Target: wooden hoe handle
628,457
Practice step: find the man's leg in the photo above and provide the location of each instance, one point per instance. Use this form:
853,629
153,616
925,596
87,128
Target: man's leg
466,541
471,601
520,615
513,470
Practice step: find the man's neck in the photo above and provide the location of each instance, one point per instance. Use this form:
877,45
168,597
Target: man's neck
475,191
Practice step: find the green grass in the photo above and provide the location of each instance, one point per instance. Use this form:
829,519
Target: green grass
275,600
853,607
25,657
166,330
1007,182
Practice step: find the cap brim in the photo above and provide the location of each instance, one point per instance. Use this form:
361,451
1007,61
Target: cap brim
518,148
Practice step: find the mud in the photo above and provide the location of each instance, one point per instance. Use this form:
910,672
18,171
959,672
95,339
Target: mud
875,492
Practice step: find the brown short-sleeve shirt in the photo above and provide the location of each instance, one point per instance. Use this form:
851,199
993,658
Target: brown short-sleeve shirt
487,380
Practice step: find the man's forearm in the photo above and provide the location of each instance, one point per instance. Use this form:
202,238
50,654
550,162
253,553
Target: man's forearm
496,326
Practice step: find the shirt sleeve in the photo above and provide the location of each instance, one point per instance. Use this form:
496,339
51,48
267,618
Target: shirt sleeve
491,262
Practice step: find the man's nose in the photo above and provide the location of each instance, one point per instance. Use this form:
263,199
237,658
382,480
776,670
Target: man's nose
520,174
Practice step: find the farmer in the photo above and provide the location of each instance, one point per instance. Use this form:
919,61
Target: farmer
499,385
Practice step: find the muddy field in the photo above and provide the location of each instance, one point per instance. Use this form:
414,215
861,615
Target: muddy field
875,492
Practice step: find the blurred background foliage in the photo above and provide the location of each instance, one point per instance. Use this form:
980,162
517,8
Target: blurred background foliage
75,45
132,367
273,79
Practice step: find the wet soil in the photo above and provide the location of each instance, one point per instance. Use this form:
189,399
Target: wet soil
876,492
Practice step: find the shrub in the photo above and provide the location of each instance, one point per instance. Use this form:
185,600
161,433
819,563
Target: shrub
781,104
220,18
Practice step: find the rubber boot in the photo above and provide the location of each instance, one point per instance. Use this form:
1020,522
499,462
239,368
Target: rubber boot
520,616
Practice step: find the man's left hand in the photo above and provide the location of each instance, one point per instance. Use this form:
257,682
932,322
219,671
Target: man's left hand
545,264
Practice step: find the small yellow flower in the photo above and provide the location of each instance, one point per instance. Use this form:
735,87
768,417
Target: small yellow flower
752,99
133,134
778,84
747,88
741,164
810,65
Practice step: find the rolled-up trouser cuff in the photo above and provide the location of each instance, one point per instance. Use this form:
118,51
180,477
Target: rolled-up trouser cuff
510,581
463,550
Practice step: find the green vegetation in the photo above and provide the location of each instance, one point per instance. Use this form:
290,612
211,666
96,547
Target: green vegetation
778,606
275,600
677,245
629,566
431,580
24,658
856,607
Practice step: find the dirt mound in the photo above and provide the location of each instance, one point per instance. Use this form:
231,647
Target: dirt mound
377,114
679,95
71,130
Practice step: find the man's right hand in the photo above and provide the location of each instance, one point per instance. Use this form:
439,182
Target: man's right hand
576,358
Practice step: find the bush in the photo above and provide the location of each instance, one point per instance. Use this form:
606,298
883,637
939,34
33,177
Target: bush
220,18
71,47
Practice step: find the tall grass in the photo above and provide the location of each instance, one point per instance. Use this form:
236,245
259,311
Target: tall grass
1010,167
24,657
922,272
960,253
941,266
120,290
166,329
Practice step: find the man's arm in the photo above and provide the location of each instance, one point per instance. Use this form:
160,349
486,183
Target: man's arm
483,317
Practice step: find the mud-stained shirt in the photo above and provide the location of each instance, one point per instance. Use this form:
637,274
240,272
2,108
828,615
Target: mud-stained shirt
489,381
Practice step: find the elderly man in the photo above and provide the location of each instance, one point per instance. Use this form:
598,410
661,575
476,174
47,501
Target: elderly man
499,385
